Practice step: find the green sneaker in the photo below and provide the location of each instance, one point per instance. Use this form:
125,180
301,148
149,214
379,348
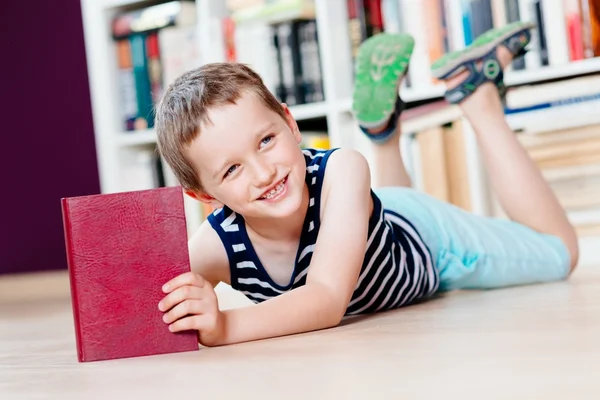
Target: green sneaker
514,37
381,63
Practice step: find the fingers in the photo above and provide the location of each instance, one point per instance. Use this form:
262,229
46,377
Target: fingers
187,307
190,303
202,323
189,278
185,293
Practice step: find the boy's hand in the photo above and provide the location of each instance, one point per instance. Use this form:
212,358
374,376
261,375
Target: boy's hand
191,303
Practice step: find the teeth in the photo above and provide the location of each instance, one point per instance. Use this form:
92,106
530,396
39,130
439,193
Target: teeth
276,191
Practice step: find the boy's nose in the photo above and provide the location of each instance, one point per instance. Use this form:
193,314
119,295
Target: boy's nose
264,175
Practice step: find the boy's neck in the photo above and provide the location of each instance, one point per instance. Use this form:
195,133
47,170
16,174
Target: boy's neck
281,229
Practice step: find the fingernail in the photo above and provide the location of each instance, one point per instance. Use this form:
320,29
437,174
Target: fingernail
165,288
160,305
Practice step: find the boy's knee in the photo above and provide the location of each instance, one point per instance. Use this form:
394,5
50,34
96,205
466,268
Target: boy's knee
572,244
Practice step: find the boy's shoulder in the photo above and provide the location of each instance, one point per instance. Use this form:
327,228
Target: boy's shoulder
336,159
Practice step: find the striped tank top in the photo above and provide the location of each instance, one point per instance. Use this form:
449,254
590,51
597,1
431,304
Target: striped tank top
397,268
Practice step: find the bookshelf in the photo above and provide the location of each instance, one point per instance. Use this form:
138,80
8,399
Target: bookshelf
334,49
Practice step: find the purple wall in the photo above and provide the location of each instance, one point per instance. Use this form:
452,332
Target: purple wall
48,149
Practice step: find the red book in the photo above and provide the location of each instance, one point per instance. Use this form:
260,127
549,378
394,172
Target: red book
121,248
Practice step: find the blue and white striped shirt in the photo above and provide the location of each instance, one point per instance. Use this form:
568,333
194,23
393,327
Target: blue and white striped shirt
397,268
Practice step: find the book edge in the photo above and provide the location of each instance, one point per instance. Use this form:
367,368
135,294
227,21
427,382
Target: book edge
72,280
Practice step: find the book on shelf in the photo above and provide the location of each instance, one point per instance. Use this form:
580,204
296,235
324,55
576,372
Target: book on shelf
155,17
566,31
440,156
569,160
287,57
365,19
154,45
541,107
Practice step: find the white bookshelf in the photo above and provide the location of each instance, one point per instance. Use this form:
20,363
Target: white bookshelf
334,50
129,139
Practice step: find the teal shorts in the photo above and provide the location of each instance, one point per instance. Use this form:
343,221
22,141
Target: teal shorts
476,252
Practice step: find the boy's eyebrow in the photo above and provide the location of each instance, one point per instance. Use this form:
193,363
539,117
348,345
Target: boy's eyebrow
265,128
226,162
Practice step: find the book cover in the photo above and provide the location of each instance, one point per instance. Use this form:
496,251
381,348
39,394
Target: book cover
121,248
126,85
512,15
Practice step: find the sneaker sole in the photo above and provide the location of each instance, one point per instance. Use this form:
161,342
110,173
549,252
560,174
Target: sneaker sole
452,63
381,64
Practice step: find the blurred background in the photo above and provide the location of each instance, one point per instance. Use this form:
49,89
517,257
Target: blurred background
83,77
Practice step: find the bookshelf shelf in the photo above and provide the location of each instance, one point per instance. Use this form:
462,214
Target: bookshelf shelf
309,111
424,93
275,12
121,3
137,138
574,68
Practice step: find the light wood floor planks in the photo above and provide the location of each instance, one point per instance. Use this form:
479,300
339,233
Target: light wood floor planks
535,342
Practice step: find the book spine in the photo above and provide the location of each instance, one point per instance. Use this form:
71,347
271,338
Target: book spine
228,26
311,64
435,35
298,81
174,13
555,32
154,67
466,21
594,7
375,17
392,22
555,103
415,23
512,15
499,14
456,36
126,85
72,280
279,86
539,19
357,26
142,82
586,28
532,58
572,17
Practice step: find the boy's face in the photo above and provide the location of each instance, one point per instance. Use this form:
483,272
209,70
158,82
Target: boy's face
249,159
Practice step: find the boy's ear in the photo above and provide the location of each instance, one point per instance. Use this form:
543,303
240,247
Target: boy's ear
204,198
291,122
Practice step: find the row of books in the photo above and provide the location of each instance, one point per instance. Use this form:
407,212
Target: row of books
285,54
559,126
570,162
154,45
565,149
567,30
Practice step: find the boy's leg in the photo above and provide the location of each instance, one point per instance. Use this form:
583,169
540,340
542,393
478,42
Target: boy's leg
382,62
522,191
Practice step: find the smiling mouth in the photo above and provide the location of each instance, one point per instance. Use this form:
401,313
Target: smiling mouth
276,191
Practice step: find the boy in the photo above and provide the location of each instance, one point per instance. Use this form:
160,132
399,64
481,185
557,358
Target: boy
280,209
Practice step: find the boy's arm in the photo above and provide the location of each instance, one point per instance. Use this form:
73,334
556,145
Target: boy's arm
208,256
335,266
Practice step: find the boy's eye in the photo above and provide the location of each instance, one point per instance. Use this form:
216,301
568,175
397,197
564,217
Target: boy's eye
266,140
231,170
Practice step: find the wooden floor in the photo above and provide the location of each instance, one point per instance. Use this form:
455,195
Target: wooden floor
536,342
